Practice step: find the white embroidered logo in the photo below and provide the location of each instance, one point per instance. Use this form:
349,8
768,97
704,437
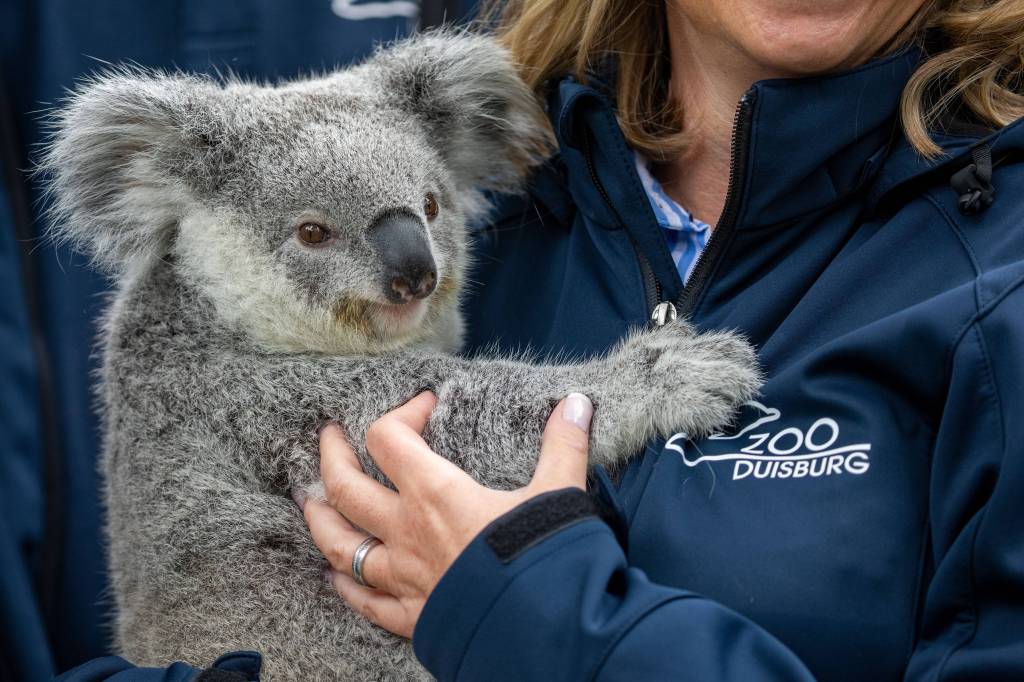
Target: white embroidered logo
359,11
758,451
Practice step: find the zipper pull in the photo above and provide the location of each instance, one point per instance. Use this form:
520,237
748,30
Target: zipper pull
663,313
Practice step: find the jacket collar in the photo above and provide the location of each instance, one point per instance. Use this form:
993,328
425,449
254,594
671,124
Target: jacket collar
812,141
906,172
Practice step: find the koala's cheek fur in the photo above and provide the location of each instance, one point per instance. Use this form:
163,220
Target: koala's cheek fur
250,289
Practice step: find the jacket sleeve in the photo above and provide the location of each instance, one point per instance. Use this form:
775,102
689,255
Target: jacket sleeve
545,592
973,611
240,666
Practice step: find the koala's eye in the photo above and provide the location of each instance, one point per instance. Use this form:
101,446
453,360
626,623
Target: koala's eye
430,206
311,233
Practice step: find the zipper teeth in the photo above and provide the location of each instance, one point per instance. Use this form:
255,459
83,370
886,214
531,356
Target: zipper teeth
727,223
652,287
593,174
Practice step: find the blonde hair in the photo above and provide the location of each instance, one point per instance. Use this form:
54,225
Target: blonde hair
976,72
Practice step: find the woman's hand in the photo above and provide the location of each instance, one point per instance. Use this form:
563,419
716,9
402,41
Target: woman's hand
436,512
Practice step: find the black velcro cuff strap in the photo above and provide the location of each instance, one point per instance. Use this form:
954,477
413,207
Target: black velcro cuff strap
536,519
218,675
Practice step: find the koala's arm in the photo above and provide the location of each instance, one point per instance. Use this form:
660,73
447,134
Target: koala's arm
491,412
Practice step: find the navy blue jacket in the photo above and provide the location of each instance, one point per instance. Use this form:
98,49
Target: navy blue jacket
863,520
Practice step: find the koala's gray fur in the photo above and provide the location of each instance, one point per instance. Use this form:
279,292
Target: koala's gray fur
229,342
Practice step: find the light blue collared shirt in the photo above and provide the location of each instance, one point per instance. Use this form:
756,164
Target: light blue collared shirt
686,236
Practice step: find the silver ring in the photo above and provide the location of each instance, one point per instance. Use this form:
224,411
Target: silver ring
359,557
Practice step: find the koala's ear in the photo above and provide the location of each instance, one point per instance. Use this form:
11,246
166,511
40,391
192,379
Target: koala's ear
481,116
125,154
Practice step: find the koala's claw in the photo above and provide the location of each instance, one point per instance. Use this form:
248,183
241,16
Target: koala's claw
705,378
677,381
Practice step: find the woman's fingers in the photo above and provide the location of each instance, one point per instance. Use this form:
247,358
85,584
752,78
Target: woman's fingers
378,607
436,513
338,540
395,443
364,501
416,412
563,451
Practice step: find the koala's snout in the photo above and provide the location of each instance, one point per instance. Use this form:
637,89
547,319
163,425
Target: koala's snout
406,261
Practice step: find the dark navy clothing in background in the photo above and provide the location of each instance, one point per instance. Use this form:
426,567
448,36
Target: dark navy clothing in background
53,608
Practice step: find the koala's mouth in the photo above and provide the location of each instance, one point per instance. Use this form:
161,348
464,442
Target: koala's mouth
382,320
395,319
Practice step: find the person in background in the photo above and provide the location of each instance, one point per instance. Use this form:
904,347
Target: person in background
53,610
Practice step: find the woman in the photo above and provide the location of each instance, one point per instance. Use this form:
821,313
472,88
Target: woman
862,519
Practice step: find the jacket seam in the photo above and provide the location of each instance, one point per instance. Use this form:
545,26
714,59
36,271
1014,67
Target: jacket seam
959,233
980,314
990,380
626,628
994,302
970,635
921,593
622,150
990,377
511,581
652,454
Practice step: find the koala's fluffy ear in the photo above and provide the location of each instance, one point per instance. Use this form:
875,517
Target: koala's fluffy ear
482,117
124,156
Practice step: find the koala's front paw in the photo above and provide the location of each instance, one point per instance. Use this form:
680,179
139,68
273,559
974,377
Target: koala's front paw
703,378
672,380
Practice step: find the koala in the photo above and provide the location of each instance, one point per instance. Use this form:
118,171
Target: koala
290,255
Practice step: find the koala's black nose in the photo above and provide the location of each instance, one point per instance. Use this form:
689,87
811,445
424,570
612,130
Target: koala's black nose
400,240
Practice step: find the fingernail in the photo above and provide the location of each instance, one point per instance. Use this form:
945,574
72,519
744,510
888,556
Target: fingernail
299,497
328,576
577,409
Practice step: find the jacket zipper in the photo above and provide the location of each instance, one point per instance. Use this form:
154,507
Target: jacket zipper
661,312
721,235
652,287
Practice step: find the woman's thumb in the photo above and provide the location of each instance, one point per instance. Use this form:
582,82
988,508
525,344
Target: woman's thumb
563,450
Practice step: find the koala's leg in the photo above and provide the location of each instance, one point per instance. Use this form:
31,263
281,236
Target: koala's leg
221,568
491,414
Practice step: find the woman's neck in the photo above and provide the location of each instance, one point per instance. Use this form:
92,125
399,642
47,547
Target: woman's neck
708,78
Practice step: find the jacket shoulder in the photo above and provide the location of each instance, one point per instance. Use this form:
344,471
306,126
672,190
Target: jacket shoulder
993,236
546,201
